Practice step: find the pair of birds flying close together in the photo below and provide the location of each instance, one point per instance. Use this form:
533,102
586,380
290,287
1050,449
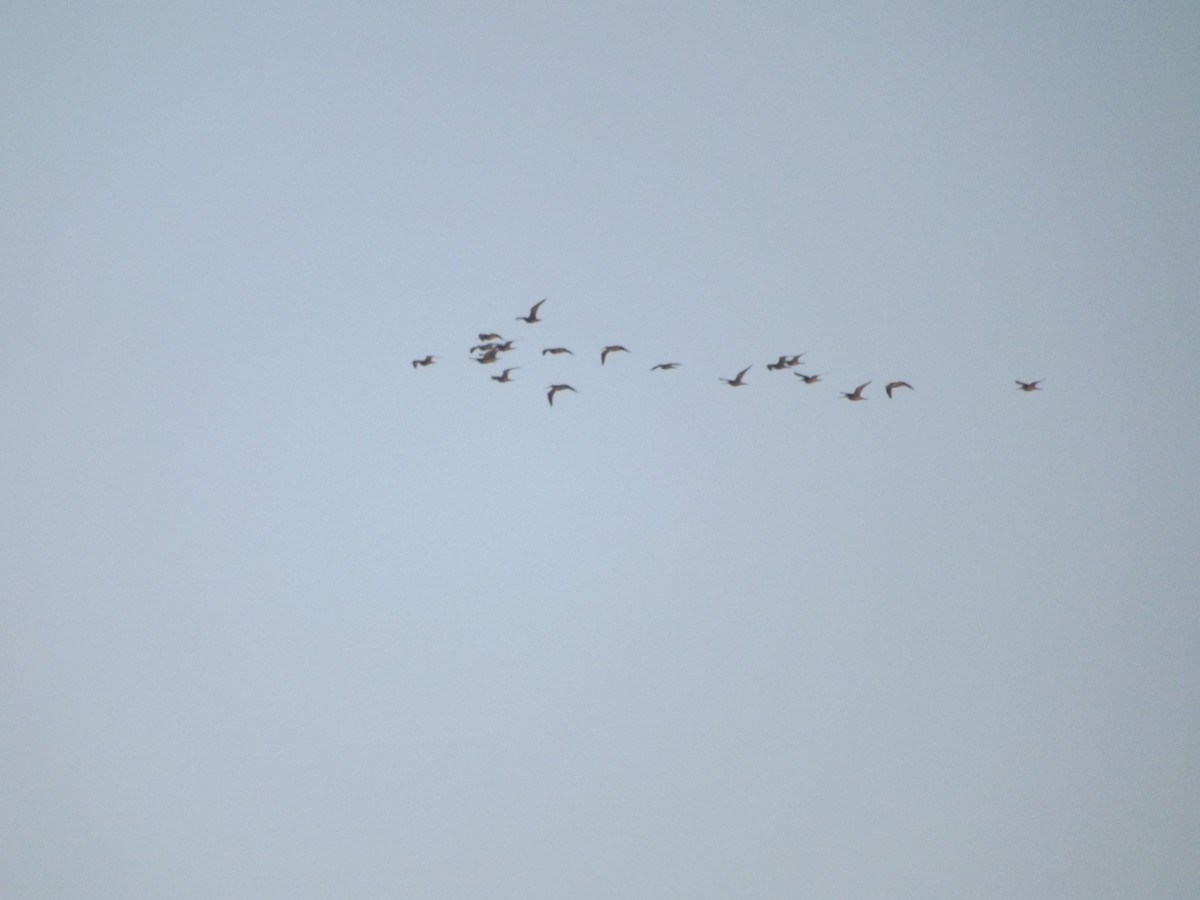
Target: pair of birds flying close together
784,362
857,393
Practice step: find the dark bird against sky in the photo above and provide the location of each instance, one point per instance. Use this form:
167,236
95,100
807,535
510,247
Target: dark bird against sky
857,393
533,313
555,388
737,382
611,348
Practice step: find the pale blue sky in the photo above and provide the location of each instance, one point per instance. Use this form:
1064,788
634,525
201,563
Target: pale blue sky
283,617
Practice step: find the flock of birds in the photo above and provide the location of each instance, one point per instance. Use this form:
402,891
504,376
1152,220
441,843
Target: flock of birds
491,346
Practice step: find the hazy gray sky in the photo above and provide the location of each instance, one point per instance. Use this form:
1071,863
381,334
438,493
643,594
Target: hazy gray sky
284,617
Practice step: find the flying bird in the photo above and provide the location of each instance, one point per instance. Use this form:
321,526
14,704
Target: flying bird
857,395
1030,385
489,357
666,367
807,379
555,388
737,382
785,362
557,350
503,376
897,384
611,348
490,337
533,313
427,361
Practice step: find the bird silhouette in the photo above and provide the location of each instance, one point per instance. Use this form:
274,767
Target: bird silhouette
807,379
737,382
556,350
533,313
489,357
793,361
555,388
490,337
897,384
781,363
503,376
427,361
857,395
1030,385
666,367
611,348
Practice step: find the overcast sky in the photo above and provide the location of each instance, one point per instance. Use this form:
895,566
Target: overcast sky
286,617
